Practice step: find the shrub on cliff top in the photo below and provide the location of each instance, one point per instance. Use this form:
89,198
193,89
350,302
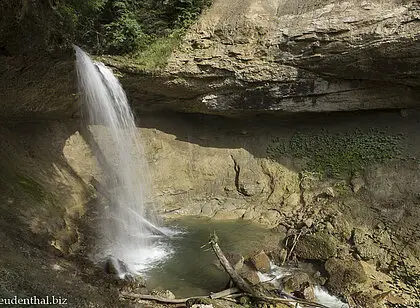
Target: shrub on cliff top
125,26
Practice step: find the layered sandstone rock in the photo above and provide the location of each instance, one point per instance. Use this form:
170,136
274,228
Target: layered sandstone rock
290,56
241,57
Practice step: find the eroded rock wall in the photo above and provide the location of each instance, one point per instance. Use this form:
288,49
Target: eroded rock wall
241,57
42,197
284,56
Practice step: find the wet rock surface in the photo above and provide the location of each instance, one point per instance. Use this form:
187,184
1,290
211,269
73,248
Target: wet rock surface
298,282
249,273
261,262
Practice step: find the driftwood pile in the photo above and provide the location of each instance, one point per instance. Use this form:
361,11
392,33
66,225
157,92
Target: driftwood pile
242,288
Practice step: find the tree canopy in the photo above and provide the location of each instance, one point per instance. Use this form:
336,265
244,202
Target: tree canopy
125,26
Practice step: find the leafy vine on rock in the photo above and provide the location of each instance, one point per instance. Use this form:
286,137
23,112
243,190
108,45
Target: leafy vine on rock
338,155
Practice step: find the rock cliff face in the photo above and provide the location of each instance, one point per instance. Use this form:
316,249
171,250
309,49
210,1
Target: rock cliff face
291,56
241,57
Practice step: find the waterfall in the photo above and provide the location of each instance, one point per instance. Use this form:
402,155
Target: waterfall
125,233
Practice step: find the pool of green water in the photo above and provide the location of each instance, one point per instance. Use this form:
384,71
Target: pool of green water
190,269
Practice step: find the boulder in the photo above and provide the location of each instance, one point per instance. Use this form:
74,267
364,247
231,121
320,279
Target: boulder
250,274
297,282
344,274
318,246
115,267
261,262
163,293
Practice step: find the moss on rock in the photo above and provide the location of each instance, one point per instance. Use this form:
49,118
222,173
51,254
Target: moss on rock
338,155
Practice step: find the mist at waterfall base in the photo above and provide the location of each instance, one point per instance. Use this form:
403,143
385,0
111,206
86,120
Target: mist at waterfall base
128,229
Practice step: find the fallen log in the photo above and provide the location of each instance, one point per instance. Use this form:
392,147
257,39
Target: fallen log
221,294
224,293
236,278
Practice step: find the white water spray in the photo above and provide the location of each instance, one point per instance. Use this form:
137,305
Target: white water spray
125,232
321,295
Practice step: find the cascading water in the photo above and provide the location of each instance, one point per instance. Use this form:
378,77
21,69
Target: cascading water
125,233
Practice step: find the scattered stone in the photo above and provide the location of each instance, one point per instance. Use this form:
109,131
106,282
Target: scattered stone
164,294
250,274
261,262
297,282
381,286
395,300
329,227
244,300
270,218
57,267
365,245
343,274
341,228
364,299
199,303
248,189
309,294
329,191
318,246
115,267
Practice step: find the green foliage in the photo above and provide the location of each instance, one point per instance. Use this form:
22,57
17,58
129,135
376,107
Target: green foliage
129,26
124,35
338,155
185,12
158,52
79,21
